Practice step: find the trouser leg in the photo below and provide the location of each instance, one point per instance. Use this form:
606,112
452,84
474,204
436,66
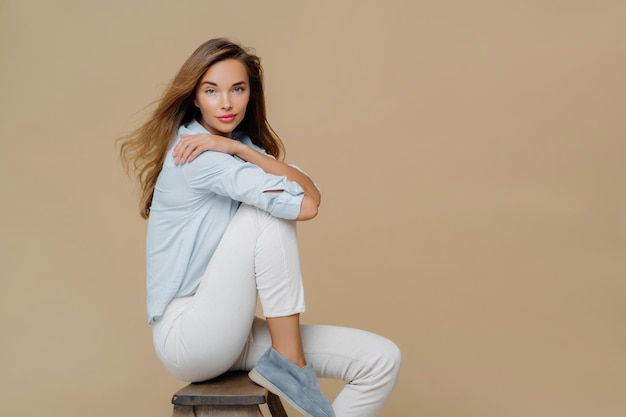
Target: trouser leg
368,362
201,336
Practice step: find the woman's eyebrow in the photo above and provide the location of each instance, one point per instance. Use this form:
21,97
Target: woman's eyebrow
215,84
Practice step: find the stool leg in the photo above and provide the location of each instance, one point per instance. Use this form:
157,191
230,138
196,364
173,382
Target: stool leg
275,406
182,411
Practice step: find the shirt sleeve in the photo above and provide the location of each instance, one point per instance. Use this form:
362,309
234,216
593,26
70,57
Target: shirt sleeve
228,176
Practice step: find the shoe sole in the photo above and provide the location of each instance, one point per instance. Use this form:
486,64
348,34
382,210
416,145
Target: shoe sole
260,380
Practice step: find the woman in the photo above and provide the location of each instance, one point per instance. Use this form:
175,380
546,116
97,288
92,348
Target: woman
221,229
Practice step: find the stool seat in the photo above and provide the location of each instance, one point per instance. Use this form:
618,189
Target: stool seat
232,394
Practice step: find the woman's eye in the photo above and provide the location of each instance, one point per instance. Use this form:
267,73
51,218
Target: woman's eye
210,91
238,89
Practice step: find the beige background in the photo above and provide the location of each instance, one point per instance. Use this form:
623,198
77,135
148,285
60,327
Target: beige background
472,158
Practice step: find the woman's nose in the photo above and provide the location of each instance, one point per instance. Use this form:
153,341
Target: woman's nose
226,104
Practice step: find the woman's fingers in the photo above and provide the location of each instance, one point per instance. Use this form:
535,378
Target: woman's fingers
190,146
197,151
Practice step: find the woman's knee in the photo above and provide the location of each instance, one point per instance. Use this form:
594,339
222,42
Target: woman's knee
389,358
379,357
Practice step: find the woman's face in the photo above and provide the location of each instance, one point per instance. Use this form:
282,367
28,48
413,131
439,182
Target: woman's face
222,96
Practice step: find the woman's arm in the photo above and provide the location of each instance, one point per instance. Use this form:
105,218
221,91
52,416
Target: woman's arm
312,196
190,146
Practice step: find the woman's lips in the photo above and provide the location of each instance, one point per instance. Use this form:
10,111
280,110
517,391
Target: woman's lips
227,118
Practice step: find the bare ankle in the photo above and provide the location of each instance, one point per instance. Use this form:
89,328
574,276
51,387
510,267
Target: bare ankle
293,356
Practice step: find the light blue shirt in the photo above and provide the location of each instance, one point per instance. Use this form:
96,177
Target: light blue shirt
191,208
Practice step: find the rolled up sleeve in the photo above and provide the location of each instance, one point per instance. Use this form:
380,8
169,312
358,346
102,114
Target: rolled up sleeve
228,176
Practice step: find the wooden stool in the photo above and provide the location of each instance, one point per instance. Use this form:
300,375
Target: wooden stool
230,395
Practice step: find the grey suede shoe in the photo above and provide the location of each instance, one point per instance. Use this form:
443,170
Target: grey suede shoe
298,386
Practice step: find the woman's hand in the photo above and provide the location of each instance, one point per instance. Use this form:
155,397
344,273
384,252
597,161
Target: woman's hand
190,146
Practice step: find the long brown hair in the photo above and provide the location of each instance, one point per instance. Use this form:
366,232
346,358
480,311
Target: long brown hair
143,150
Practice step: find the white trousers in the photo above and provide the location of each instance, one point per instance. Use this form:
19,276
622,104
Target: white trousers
215,330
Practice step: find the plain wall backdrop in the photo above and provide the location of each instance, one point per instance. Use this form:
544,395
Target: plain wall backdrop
472,159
